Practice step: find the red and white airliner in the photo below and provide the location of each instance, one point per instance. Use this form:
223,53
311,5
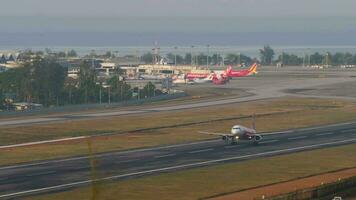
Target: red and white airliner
239,132
242,73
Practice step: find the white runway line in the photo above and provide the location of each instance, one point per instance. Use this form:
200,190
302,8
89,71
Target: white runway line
165,156
176,167
200,151
41,173
43,142
28,121
322,134
297,138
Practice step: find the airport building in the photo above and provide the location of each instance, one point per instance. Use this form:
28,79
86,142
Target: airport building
166,69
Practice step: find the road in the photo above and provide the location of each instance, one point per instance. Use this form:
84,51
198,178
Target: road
54,175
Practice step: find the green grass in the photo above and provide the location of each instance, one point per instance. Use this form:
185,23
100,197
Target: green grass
224,178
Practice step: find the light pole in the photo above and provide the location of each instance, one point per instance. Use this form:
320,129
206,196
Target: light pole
100,86
175,56
309,57
207,56
109,95
239,59
282,59
191,55
100,94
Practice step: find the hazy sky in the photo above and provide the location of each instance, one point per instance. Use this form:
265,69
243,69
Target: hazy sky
138,22
178,8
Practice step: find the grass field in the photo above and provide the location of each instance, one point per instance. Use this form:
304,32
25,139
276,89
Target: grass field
225,178
296,113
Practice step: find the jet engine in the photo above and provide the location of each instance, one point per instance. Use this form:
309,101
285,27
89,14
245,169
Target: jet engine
257,139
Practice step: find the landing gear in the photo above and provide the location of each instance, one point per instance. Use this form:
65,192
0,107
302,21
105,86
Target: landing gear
257,139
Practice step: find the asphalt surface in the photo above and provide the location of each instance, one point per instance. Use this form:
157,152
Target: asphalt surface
56,175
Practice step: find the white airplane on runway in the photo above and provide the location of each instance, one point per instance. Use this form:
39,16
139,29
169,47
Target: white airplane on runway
239,132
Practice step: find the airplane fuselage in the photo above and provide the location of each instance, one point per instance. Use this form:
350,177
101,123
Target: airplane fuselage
239,132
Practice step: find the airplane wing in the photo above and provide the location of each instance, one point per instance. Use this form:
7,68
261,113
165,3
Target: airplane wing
211,133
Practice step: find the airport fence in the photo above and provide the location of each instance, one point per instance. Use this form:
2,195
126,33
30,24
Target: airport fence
335,190
81,107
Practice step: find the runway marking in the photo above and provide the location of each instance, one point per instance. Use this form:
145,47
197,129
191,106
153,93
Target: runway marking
297,138
41,173
269,141
165,156
43,142
29,121
108,154
322,134
200,151
68,185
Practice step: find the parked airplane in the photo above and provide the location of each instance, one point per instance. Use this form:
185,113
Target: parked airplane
208,79
220,79
192,76
238,133
242,73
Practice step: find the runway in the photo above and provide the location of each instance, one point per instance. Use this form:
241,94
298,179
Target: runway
55,175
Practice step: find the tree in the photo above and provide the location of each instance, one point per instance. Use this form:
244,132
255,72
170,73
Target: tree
173,57
188,59
87,83
290,59
148,90
316,59
147,58
72,53
266,55
39,82
120,90
236,59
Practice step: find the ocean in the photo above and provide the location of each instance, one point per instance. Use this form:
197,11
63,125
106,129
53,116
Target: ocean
138,44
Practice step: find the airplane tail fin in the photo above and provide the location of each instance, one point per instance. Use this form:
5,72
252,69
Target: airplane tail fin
253,69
